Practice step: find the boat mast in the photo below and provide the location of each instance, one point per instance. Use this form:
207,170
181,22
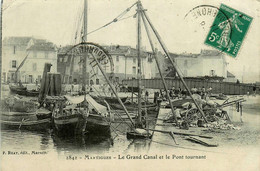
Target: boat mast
158,67
139,73
172,62
85,55
1,14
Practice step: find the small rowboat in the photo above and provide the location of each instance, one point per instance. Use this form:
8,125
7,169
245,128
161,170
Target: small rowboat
37,125
139,134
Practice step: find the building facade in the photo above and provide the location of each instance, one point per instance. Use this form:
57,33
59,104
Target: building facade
208,63
24,59
13,53
123,66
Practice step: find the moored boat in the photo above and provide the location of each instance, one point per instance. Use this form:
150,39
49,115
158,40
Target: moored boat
32,125
23,91
133,106
98,119
78,115
17,89
110,100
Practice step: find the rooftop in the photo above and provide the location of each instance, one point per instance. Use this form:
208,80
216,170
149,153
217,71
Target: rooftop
33,43
64,49
43,46
203,53
16,40
123,50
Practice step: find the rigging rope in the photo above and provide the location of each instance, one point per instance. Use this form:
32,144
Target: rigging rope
118,18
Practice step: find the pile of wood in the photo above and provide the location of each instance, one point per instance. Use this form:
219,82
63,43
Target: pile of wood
216,117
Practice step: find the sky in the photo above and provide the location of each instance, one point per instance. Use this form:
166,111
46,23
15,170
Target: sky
57,21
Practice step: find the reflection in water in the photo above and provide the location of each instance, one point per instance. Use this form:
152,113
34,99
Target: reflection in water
45,138
139,146
26,140
88,143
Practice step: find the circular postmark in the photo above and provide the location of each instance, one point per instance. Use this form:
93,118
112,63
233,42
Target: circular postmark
209,20
94,54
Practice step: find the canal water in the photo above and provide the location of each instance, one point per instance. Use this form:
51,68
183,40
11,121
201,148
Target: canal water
48,141
15,140
21,140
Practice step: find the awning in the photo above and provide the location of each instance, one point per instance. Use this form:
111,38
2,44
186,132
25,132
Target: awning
92,103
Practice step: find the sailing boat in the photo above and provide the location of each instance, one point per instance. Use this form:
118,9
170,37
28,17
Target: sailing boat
82,114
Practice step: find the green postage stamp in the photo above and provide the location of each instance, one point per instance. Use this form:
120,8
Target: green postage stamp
228,30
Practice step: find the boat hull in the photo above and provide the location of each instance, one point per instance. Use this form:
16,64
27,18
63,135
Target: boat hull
98,125
23,91
38,125
70,125
131,107
109,100
134,135
178,103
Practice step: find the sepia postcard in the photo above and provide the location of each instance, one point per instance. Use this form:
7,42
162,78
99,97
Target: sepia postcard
130,85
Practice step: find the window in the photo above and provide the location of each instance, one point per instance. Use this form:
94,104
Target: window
117,69
186,63
39,78
134,70
34,66
212,73
60,59
12,76
97,81
185,73
134,60
35,54
14,49
117,79
4,76
117,58
30,79
150,57
13,63
91,82
46,54
65,59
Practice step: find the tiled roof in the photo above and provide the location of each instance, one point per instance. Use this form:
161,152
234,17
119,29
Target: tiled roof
65,49
38,44
123,50
210,52
194,55
117,49
112,50
16,40
186,55
42,46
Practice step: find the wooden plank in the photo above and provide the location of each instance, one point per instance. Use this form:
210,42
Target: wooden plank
202,142
180,133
